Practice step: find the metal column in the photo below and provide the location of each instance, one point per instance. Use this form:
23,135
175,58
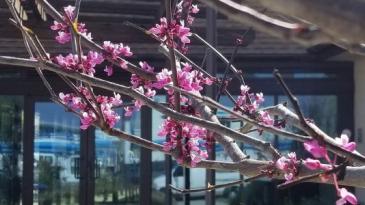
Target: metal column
211,37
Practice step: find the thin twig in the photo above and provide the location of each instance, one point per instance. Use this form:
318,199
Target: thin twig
262,126
180,55
229,65
291,97
312,176
237,74
209,188
30,44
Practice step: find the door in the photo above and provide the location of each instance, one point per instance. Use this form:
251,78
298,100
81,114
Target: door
82,167
56,155
117,165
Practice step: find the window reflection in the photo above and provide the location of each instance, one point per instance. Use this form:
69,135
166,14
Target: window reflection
233,195
158,158
56,150
117,175
11,131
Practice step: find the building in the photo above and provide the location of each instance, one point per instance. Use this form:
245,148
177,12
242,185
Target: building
46,159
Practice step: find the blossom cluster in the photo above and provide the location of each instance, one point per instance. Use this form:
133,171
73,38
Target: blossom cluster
194,137
184,10
88,116
63,30
176,34
175,31
289,165
188,79
319,151
85,64
248,103
115,51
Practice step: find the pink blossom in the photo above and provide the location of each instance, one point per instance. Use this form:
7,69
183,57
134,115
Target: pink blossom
123,64
87,119
288,165
144,65
63,37
266,118
64,97
192,151
150,93
116,100
315,149
110,116
128,111
194,9
345,143
160,30
94,58
248,103
117,50
183,33
163,78
175,29
137,81
69,10
346,197
138,104
312,164
208,81
87,64
58,26
259,98
244,89
72,101
87,116
63,30
85,92
109,70
90,61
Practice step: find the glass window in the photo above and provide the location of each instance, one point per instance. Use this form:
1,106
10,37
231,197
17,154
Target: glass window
158,158
11,151
56,146
233,195
265,191
118,164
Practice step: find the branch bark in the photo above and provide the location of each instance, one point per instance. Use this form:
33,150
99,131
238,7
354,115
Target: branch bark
330,142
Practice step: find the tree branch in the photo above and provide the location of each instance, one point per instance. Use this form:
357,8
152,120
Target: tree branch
96,82
330,142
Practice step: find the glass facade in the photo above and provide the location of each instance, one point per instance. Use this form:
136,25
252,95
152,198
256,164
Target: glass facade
118,175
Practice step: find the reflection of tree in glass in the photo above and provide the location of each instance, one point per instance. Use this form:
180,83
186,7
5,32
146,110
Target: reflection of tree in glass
10,141
323,110
49,183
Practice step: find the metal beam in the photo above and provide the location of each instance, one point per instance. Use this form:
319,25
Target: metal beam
145,184
28,150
